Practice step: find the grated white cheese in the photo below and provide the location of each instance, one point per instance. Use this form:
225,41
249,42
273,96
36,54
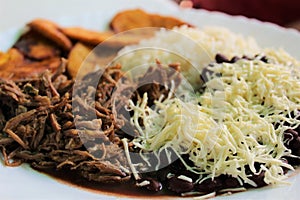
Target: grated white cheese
143,183
185,178
133,170
230,190
234,126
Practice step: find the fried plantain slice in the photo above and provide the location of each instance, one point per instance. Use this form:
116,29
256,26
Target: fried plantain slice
128,38
109,38
12,57
51,31
84,59
86,36
76,57
130,19
30,70
14,66
35,69
166,21
35,46
137,18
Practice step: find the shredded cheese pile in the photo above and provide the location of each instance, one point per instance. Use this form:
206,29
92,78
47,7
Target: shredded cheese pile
232,126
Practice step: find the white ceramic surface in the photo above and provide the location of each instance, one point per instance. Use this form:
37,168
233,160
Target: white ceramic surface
25,183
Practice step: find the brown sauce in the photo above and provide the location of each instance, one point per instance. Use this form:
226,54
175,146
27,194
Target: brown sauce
127,189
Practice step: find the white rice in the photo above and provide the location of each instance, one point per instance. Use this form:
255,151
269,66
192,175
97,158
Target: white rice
194,49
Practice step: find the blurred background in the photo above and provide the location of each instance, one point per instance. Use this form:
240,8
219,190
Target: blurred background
14,13
282,12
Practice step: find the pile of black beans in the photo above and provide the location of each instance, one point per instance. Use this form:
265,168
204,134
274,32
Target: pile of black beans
292,142
177,179
220,58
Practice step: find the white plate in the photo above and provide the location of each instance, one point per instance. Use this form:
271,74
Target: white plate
25,183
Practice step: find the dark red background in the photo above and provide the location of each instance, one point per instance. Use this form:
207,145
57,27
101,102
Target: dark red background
281,12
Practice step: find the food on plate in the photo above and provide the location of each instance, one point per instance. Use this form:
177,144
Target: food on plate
203,45
76,57
94,38
37,47
131,19
42,123
211,113
11,57
14,66
45,42
86,36
31,55
52,31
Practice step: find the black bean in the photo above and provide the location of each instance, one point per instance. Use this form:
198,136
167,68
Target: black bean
284,160
209,185
190,174
295,144
220,58
293,160
258,179
154,185
163,173
292,141
246,57
205,74
297,129
234,59
293,132
287,137
179,185
177,166
296,152
264,59
231,182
